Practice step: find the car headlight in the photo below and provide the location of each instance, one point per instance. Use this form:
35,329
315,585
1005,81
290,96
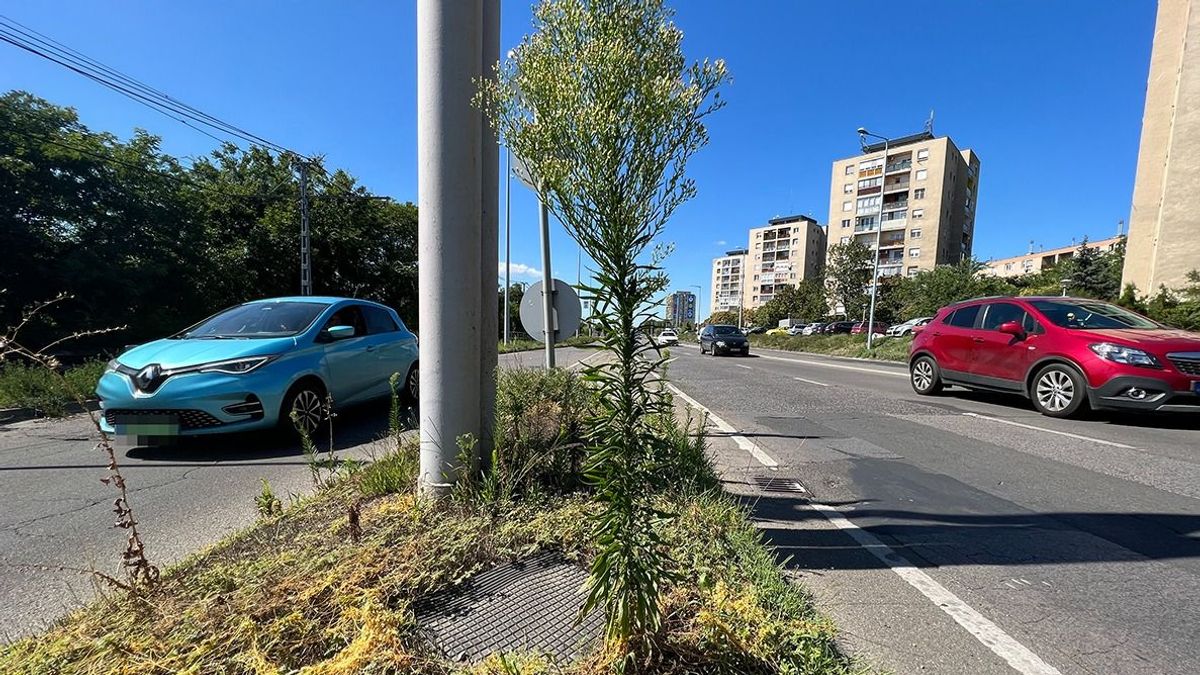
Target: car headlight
1122,354
231,367
720,343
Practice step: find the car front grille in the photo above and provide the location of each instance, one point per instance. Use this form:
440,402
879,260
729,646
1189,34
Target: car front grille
188,419
1188,365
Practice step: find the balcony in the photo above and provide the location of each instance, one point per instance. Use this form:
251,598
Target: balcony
903,165
895,206
874,189
873,171
896,187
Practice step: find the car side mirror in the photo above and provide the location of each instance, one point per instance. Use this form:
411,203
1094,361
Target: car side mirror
335,333
1012,328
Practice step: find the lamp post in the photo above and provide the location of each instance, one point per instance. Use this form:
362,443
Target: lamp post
862,135
699,292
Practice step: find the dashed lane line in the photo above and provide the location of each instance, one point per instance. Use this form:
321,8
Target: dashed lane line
1068,434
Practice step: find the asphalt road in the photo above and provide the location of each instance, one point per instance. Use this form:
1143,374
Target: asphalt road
964,533
54,512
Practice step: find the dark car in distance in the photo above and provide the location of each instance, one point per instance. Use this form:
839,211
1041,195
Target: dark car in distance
721,339
1064,354
838,327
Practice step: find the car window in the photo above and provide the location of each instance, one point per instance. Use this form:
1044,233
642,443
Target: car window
963,317
998,313
349,315
1031,325
726,330
379,320
1090,314
258,319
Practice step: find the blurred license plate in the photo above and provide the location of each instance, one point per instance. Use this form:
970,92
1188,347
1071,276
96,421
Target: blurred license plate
147,426
1196,387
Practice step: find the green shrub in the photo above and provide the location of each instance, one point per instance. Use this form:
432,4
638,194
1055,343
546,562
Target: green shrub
31,386
886,348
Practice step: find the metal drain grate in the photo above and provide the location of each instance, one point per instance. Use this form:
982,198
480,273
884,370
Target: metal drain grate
529,605
779,485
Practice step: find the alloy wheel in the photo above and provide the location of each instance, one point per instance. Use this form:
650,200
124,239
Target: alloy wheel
414,384
1055,390
307,410
922,375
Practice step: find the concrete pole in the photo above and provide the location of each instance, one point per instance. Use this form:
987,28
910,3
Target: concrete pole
489,238
449,179
878,241
547,283
305,242
507,242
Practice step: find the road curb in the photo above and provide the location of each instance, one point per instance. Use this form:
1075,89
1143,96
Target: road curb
14,415
835,357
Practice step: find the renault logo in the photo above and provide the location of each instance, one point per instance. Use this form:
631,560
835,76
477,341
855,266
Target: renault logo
147,377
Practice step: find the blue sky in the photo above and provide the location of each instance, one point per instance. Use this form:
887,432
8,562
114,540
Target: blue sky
1049,94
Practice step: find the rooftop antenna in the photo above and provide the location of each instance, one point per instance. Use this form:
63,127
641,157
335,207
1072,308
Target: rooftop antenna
929,123
1120,227
1031,246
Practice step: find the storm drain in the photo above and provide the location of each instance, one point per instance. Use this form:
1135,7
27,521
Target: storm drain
529,605
779,485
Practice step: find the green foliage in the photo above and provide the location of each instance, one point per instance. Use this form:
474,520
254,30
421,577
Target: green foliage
30,386
266,502
930,290
605,111
804,301
1093,273
724,318
847,277
132,233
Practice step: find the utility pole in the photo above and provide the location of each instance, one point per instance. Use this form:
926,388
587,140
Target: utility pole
305,244
863,133
489,243
698,313
451,233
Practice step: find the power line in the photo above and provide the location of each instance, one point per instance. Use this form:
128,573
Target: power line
45,47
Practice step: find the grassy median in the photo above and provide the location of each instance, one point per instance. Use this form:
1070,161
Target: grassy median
528,345
885,349
303,591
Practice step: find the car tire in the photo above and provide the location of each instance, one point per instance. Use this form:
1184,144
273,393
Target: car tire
925,376
411,393
308,399
1058,390
702,348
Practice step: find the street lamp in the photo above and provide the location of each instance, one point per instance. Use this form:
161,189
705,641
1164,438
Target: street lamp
1066,283
699,292
862,137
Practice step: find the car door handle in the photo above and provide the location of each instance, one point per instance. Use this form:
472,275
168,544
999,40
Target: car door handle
370,348
977,339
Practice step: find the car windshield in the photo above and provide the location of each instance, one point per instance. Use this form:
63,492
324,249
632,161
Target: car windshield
1090,315
726,330
257,320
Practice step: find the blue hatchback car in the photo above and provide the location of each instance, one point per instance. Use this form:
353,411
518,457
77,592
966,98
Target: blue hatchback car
252,366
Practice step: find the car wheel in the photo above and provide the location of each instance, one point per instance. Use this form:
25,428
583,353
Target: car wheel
307,401
1058,391
412,386
702,348
925,376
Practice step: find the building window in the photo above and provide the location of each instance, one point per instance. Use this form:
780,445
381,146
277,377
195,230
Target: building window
914,253
849,169
916,233
922,174
912,271
847,188
845,240
846,222
922,154
918,213
919,193
846,206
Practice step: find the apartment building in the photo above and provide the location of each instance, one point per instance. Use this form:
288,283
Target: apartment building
728,276
919,199
1036,261
783,252
1164,230
681,308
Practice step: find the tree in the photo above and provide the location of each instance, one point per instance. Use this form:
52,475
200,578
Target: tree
603,108
724,317
929,290
847,276
805,300
1093,273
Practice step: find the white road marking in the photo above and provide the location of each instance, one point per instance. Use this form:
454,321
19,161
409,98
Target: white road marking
743,442
741,366
843,366
819,384
992,636
584,360
1051,431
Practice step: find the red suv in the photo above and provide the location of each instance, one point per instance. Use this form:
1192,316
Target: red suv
1064,354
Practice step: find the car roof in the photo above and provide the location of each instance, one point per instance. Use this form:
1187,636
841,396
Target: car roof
318,299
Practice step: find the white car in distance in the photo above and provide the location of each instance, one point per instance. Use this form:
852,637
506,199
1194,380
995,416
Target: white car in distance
668,337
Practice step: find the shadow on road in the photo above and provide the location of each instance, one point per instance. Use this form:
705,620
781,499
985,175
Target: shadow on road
1003,539
1183,421
352,427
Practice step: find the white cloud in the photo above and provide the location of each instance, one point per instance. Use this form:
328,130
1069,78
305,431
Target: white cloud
721,242
520,270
